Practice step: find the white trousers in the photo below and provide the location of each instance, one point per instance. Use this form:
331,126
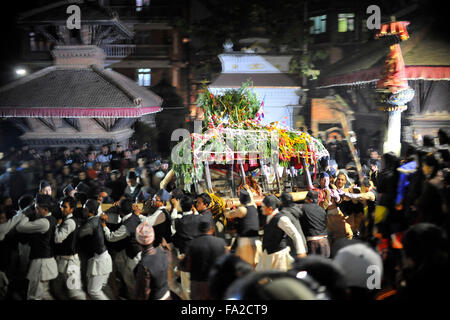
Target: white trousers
95,286
69,279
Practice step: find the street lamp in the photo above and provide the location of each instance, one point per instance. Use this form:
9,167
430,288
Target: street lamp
21,72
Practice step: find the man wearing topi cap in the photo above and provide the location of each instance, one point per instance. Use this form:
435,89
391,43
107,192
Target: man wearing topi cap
151,272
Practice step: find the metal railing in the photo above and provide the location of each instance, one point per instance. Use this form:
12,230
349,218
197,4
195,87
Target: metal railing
155,12
119,50
125,50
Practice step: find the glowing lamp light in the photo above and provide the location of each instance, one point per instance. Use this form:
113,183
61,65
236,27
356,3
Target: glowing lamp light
21,72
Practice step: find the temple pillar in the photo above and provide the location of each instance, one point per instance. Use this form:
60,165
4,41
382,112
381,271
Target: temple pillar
392,142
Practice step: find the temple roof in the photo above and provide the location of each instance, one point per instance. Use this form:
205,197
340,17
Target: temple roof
426,56
56,14
59,91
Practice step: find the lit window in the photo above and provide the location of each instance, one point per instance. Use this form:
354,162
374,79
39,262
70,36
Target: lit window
319,24
346,22
141,3
144,77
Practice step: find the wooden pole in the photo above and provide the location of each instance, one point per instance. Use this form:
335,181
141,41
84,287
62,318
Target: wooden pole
308,176
275,167
208,177
241,166
233,184
264,181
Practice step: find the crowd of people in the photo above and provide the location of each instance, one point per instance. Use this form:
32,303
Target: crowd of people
376,234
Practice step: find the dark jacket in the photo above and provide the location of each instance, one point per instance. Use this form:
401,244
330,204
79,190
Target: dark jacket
201,254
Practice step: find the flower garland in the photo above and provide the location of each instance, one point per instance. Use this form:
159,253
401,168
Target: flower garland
235,114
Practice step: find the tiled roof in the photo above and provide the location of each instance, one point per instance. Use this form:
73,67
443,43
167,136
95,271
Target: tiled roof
85,88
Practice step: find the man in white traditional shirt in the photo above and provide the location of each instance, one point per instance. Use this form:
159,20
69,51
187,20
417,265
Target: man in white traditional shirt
275,249
99,264
66,252
127,258
43,266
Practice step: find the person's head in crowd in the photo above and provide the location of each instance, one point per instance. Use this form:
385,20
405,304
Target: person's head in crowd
203,202
269,205
90,208
82,176
81,197
76,166
325,272
132,178
374,165
141,161
160,198
271,285
142,197
244,197
428,141
286,199
324,180
186,203
224,272
410,152
430,165
91,156
25,201
48,153
425,246
127,154
114,175
205,225
363,269
341,180
165,165
136,150
58,164
119,148
312,197
145,235
99,193
106,167
43,205
145,146
45,187
66,152
390,161
69,191
83,187
443,137
175,196
373,154
126,207
98,166
105,149
67,205
66,170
